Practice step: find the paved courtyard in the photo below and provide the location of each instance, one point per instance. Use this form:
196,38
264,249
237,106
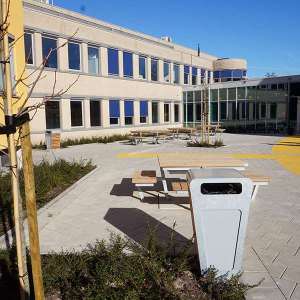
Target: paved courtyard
102,203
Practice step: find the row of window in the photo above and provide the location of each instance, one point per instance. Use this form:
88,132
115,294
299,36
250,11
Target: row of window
52,110
49,52
238,93
229,111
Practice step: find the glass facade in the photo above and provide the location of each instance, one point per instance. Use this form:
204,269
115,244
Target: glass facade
241,108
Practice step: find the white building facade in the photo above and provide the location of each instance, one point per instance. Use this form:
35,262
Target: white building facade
125,79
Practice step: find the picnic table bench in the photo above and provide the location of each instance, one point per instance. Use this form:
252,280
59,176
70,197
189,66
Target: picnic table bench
145,178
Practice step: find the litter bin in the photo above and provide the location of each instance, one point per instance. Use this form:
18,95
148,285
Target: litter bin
220,200
52,140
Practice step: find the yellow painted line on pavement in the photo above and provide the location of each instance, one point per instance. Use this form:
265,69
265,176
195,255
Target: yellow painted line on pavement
286,152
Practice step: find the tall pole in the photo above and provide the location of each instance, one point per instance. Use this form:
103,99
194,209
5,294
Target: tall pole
17,203
29,183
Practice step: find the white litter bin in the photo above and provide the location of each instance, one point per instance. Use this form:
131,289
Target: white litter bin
220,206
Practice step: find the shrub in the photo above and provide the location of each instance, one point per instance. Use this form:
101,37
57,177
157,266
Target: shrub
50,180
216,144
121,269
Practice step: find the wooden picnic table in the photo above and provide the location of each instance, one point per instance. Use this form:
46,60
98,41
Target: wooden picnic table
138,135
182,162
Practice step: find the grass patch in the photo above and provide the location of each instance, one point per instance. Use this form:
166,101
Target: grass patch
50,181
86,140
122,269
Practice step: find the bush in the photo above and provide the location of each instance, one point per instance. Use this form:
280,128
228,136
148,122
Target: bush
121,269
50,180
86,140
216,144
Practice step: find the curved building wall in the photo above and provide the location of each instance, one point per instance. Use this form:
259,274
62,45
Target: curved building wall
230,69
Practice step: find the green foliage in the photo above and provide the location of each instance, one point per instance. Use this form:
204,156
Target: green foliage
94,139
50,180
121,269
216,144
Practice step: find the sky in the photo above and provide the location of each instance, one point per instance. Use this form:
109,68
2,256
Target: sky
265,32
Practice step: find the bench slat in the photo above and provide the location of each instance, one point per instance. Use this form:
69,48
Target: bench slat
145,176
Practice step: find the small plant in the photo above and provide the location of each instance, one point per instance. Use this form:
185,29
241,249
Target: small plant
216,144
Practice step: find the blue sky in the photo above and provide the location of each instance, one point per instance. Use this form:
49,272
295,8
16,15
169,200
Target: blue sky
264,32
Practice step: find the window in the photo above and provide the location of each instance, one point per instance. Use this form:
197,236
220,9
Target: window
127,64
176,113
241,93
263,110
209,76
143,111
93,60
223,94
213,95
128,110
214,111
12,62
166,71
223,110
113,61
194,75
76,113
154,112
232,94
176,73
49,49
154,69
74,56
186,74
142,67
203,74
114,112
273,110
28,48
166,112
52,112
95,112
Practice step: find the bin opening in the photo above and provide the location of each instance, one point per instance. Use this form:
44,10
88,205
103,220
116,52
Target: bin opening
221,188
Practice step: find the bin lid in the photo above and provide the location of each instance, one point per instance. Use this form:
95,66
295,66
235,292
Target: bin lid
214,173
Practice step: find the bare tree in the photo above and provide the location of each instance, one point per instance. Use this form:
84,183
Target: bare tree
16,129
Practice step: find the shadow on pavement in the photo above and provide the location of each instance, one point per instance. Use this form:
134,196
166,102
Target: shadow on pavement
137,225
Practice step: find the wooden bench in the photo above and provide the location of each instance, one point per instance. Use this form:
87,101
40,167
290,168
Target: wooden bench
257,180
179,186
144,178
